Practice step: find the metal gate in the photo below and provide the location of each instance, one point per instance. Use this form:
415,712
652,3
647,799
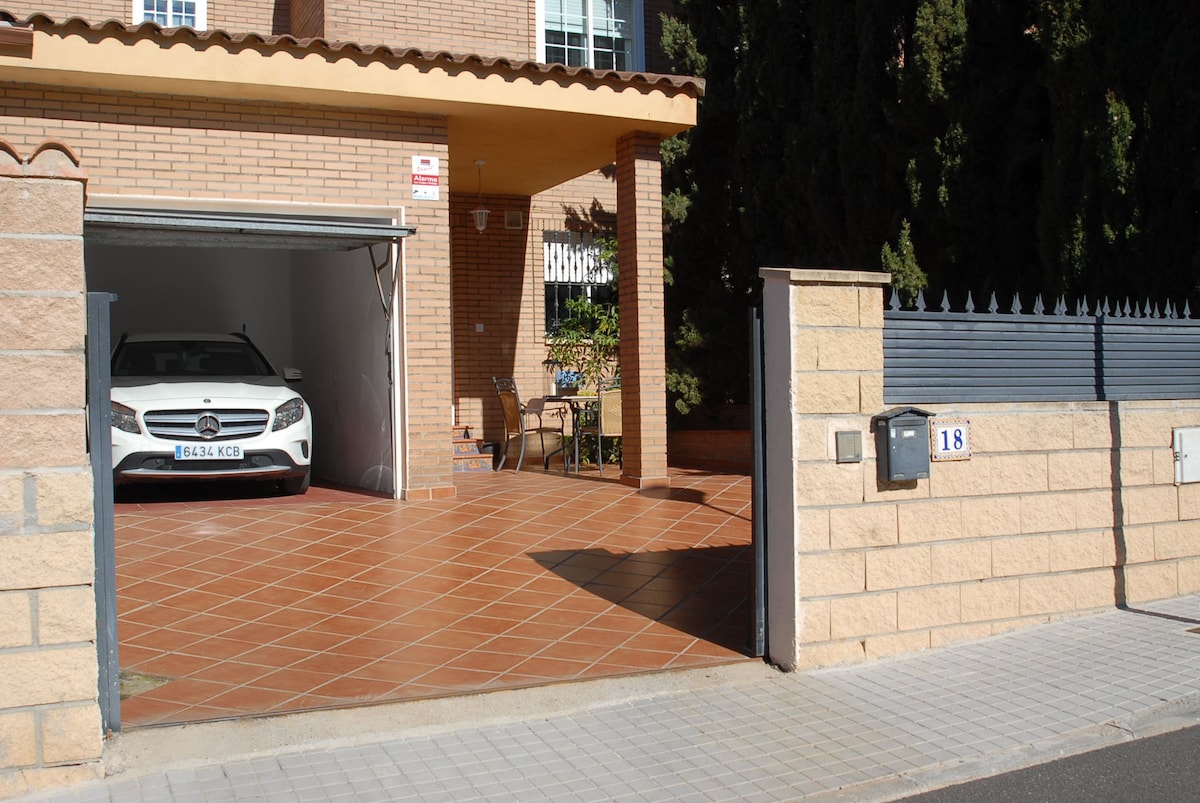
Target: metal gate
758,527
99,383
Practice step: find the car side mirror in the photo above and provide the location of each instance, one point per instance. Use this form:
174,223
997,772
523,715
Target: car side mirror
292,375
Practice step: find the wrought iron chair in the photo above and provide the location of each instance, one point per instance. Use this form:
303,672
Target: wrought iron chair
604,420
522,419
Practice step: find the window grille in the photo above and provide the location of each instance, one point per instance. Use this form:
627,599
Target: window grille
572,268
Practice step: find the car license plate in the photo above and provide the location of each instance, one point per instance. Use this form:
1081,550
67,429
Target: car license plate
208,451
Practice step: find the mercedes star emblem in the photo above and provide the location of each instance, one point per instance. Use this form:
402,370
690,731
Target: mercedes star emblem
209,426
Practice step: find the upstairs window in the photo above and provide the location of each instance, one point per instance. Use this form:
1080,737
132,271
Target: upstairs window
602,34
172,13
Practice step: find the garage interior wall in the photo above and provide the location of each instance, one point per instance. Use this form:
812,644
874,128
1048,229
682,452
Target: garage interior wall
183,289
340,337
314,310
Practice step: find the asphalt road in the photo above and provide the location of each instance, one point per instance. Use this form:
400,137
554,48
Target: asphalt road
1158,769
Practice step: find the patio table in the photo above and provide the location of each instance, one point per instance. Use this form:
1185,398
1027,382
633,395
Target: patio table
578,406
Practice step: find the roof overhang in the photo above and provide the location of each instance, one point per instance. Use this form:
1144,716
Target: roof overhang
534,125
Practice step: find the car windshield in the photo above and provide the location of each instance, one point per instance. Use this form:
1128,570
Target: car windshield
189,358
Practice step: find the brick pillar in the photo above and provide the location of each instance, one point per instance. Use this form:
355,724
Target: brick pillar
49,713
643,326
427,352
823,349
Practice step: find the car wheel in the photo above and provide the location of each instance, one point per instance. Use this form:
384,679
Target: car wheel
297,485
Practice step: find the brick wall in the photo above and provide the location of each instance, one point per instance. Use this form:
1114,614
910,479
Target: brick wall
149,145
428,351
94,11
259,16
1031,528
49,715
503,28
643,327
589,200
159,145
499,285
306,18
498,318
713,449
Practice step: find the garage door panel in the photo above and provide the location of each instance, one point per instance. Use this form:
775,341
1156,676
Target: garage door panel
308,308
198,229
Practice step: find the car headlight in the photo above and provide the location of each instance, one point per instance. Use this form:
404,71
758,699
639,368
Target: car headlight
287,414
124,418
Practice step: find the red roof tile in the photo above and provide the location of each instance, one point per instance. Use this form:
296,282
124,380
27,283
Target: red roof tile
382,53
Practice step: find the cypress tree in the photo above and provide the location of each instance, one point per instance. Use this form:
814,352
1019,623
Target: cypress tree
1036,146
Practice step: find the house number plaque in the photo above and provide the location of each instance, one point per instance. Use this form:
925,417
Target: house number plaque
950,439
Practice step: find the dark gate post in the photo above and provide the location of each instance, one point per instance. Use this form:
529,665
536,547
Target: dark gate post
99,383
758,636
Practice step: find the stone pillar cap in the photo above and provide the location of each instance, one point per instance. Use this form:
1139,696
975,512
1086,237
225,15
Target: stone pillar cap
826,276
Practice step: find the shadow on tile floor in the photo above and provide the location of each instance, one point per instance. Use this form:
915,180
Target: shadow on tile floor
250,606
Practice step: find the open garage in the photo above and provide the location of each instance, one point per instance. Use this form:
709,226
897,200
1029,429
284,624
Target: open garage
312,293
233,601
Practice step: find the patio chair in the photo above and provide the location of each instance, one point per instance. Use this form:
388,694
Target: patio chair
522,419
604,420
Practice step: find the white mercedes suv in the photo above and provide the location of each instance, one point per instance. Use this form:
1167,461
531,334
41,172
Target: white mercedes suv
206,406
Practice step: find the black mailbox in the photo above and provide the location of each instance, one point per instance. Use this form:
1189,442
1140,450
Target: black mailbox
902,444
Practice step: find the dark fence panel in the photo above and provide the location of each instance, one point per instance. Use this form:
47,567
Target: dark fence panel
1150,358
942,356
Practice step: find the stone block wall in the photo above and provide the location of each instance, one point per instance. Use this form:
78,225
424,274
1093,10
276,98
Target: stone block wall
1063,508
49,714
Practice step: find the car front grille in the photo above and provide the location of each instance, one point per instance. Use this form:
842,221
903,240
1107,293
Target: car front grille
187,425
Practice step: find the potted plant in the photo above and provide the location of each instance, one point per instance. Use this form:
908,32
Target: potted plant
566,382
586,345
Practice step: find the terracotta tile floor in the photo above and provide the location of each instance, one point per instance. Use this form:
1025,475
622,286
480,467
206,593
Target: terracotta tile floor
242,607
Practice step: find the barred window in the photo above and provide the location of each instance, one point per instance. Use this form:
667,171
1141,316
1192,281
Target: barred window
572,268
602,34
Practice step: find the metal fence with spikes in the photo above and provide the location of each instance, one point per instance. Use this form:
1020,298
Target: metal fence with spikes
1076,352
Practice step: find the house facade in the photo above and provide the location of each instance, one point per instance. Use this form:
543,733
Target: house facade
169,152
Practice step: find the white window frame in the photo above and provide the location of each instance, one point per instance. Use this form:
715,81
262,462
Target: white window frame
591,7
175,13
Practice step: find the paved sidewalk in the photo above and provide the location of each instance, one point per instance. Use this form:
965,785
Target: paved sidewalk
878,731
